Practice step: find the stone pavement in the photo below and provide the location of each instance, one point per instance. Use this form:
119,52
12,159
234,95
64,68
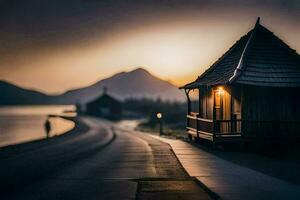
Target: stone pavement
229,180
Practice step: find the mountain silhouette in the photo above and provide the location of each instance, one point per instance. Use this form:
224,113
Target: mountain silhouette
138,83
14,95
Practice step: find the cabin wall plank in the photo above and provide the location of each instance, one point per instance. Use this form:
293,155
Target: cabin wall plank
270,112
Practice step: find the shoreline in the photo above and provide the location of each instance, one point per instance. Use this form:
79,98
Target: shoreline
79,127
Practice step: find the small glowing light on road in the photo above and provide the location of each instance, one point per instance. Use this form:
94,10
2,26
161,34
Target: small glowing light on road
159,115
160,120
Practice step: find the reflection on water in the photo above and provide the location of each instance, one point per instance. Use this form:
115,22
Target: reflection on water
20,124
65,110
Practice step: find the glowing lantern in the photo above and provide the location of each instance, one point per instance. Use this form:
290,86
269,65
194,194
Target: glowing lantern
220,91
159,115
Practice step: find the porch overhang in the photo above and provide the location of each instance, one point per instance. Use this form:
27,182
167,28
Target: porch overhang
193,85
197,85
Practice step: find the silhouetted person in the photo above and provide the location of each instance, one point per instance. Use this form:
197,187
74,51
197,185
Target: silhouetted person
47,126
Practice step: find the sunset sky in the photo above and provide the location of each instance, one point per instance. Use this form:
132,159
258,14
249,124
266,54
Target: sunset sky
56,45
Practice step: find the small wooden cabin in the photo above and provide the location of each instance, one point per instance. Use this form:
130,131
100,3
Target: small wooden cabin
251,93
105,106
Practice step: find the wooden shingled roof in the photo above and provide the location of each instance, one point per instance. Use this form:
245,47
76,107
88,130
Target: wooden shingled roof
259,58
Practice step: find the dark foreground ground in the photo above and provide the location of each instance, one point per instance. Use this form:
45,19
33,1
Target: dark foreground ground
95,161
281,161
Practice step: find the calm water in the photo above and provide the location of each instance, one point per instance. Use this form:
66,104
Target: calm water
20,124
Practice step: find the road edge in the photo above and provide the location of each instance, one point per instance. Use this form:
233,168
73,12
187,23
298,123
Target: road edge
211,193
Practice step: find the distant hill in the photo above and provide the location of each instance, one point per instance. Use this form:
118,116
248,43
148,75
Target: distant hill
138,83
14,95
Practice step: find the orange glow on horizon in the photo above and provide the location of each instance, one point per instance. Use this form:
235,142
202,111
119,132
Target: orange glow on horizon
174,49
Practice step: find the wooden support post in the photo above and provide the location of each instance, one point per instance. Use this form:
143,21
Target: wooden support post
199,111
189,106
197,131
214,116
200,104
187,91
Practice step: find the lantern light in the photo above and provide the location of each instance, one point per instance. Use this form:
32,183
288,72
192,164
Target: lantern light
220,91
159,115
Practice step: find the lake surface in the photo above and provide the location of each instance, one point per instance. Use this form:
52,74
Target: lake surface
19,124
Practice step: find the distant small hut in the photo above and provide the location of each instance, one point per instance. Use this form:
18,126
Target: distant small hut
105,106
252,93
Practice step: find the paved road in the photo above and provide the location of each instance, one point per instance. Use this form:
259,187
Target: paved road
104,162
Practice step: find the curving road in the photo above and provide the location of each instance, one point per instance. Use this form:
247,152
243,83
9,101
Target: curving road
104,161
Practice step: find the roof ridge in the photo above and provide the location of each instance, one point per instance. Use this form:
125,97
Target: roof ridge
259,47
220,59
292,51
239,67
